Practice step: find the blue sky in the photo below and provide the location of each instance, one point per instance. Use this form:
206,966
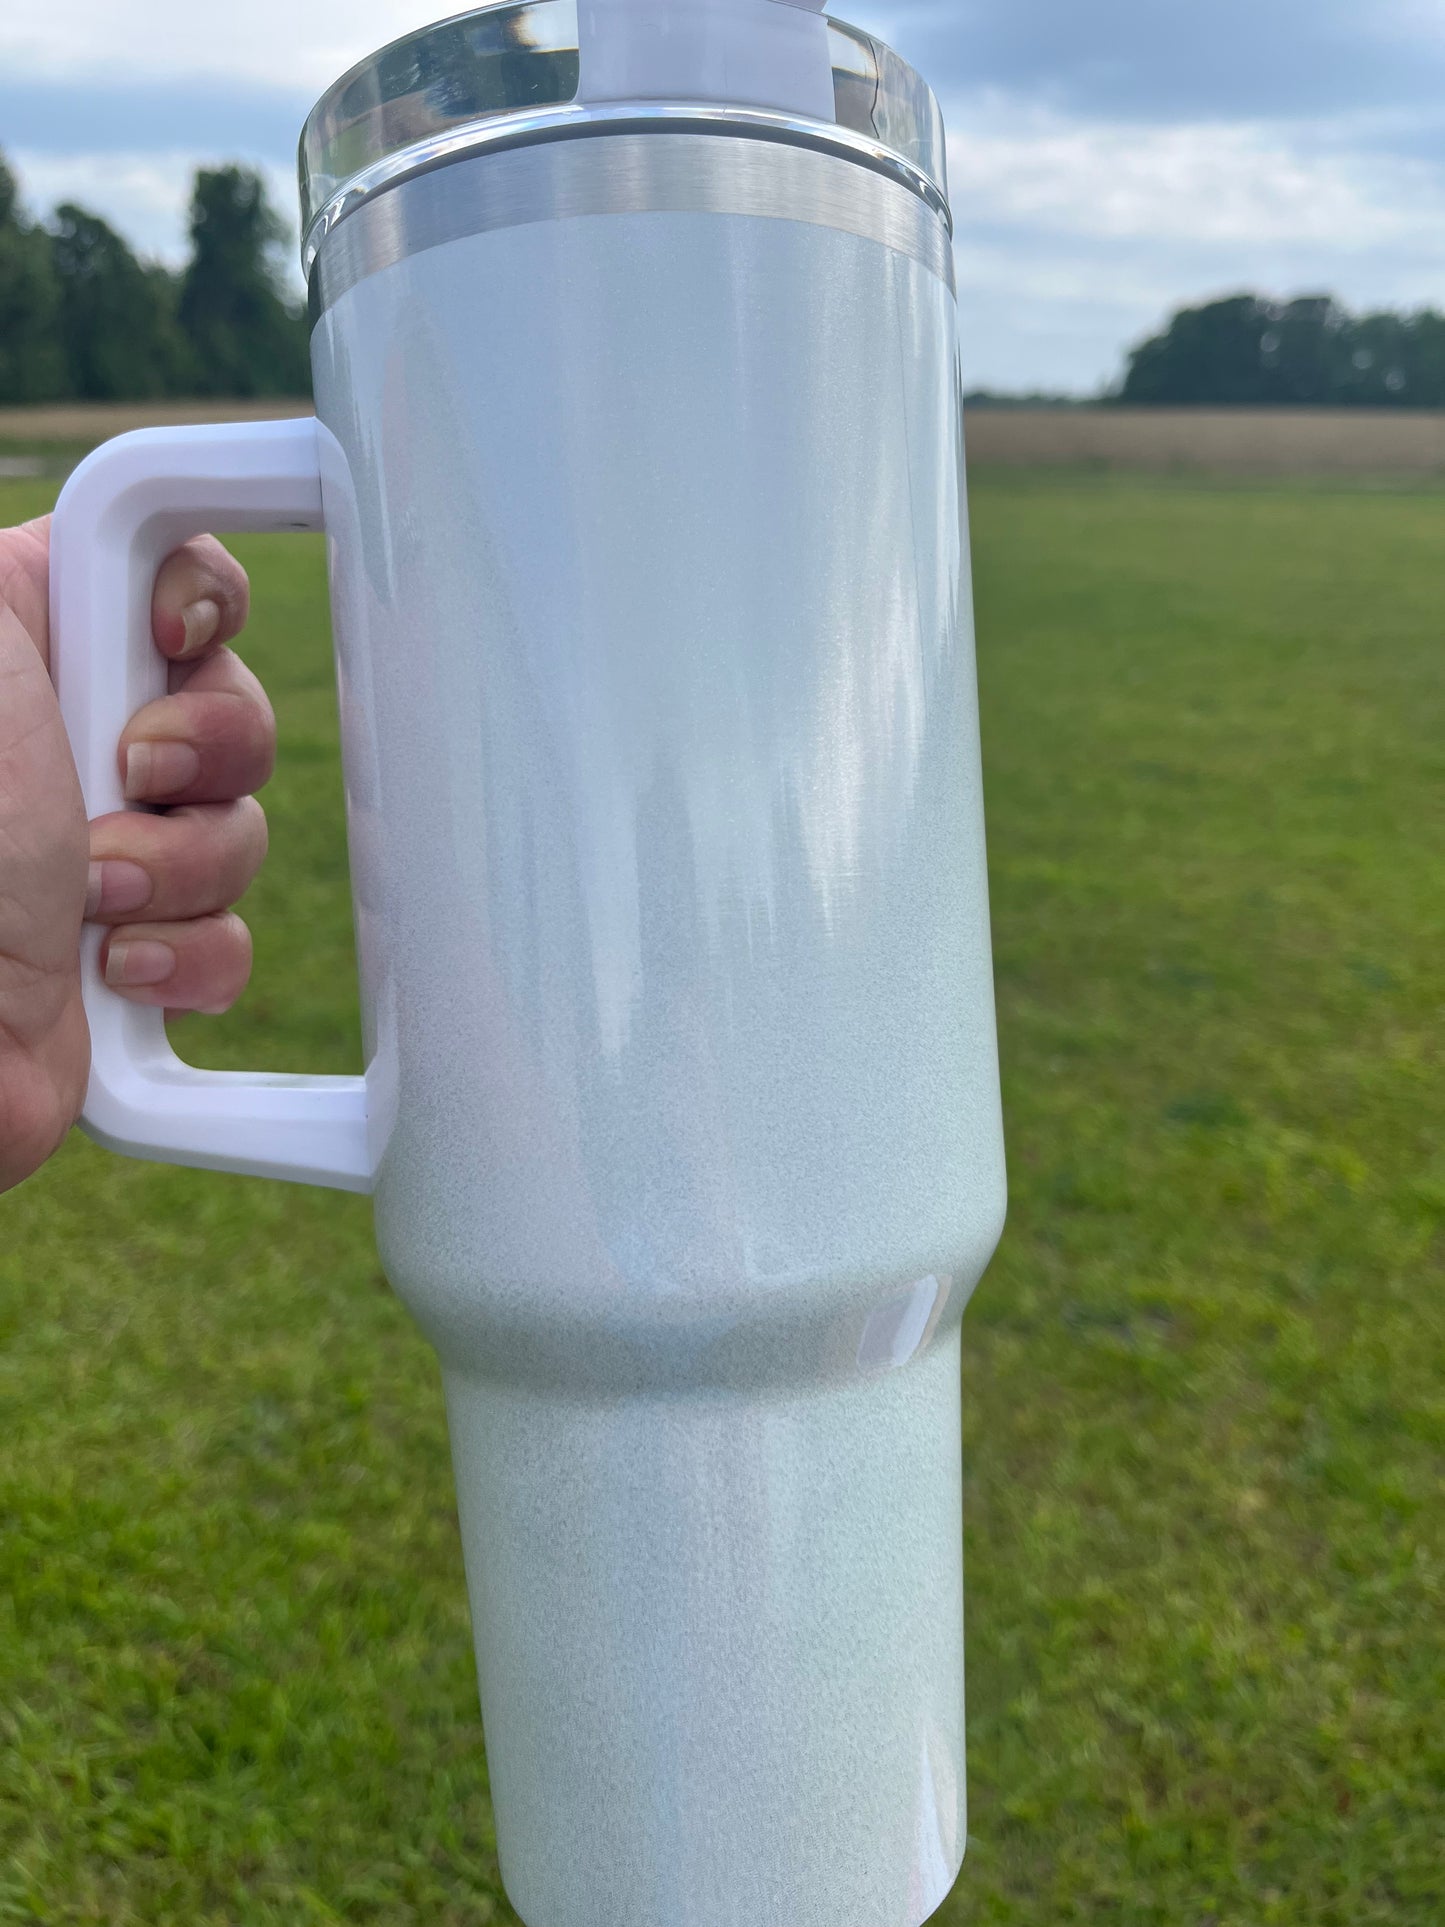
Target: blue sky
1109,157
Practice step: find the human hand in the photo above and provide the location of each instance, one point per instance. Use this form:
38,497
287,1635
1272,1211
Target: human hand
163,884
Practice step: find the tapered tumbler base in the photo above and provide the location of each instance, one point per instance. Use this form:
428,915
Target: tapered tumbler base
720,1643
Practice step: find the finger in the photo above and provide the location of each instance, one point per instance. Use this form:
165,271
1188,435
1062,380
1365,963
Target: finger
212,739
187,863
200,965
201,598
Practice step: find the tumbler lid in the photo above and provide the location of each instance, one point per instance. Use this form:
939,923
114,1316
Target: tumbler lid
527,70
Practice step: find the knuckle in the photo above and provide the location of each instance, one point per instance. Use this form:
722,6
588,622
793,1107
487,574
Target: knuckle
252,826
234,735
216,850
228,930
255,758
203,566
244,837
244,716
263,723
246,687
228,710
228,583
217,948
233,942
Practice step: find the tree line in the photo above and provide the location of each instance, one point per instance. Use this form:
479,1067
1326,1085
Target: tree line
82,318
1248,351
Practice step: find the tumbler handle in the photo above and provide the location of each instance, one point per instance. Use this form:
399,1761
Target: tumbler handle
121,513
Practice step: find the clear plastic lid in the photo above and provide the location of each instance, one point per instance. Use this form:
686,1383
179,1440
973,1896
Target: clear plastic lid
516,70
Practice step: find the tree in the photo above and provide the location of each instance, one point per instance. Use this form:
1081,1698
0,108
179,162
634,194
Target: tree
32,362
1247,350
1302,347
1424,383
118,326
1216,353
245,338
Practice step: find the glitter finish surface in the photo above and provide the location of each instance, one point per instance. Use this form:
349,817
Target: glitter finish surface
651,593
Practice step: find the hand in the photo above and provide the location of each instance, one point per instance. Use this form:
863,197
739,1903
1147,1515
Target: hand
162,883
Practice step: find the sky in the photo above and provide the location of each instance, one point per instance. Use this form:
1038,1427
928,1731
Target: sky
1109,159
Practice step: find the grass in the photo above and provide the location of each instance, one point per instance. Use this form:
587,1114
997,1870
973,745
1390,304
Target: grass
1205,1378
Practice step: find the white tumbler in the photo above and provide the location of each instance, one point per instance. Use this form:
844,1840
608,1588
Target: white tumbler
638,452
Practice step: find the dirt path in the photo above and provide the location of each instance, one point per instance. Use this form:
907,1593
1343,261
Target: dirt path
1221,441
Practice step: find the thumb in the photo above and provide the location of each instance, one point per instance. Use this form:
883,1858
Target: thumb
25,580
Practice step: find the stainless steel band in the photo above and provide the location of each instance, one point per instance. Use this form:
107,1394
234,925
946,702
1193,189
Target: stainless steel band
612,172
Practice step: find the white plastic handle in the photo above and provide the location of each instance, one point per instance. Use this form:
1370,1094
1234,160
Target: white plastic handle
120,514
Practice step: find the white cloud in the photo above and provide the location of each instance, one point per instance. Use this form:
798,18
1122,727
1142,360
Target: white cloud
1212,183
267,42
1076,238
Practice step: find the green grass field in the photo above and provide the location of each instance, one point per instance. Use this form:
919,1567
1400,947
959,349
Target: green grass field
1205,1378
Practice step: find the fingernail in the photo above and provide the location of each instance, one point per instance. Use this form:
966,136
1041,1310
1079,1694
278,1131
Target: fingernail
139,961
201,620
117,887
159,769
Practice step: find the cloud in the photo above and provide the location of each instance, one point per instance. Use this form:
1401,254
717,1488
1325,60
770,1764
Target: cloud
1155,59
1108,160
1149,60
1076,238
265,40
1215,184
